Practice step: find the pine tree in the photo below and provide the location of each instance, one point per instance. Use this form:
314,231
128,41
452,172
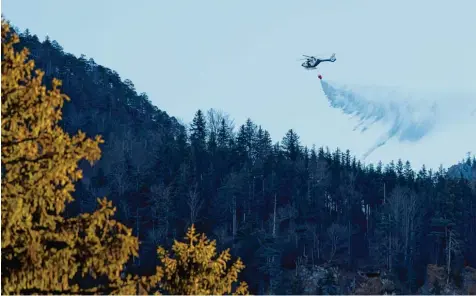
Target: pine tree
399,169
408,173
198,134
250,131
291,145
263,145
198,131
212,143
223,137
241,146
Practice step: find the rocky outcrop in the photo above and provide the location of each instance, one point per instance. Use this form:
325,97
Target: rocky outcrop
464,170
469,281
375,284
435,278
437,282
330,280
319,280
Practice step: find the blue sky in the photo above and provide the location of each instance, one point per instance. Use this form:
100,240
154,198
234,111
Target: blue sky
240,56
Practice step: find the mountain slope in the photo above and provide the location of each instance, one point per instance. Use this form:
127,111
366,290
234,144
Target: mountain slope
134,130
465,169
282,208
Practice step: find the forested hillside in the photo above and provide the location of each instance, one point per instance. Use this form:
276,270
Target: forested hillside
303,219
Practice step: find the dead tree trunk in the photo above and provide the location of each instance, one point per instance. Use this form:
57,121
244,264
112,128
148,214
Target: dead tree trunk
234,217
274,217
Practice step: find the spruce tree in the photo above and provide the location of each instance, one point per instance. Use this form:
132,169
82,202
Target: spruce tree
42,251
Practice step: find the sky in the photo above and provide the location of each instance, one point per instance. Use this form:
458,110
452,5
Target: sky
412,123
241,57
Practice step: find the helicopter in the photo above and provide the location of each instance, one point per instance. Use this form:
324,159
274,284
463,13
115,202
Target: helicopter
312,62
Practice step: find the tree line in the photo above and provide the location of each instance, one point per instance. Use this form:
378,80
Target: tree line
44,252
279,206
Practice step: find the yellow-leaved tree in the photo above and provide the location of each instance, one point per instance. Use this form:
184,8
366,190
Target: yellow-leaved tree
42,251
194,270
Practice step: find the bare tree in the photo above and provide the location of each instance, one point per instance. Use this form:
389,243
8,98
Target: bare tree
404,211
352,198
399,225
235,222
120,178
125,209
274,216
127,139
337,235
281,214
453,247
214,119
229,194
316,242
160,206
300,262
194,203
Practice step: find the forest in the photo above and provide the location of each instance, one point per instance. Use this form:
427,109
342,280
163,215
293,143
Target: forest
304,220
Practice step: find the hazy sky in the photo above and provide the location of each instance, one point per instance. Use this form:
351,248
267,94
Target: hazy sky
240,56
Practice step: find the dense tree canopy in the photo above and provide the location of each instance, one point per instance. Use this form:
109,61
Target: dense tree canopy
45,252
41,250
283,208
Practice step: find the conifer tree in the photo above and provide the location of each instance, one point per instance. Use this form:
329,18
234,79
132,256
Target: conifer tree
223,137
198,131
291,145
193,270
198,135
241,146
263,144
41,250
